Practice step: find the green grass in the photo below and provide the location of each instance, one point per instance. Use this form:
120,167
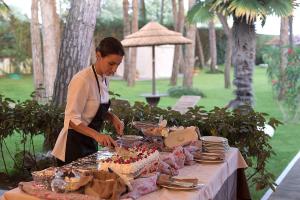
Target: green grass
285,141
17,89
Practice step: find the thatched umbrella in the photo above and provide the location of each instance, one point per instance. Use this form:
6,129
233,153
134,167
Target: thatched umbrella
154,34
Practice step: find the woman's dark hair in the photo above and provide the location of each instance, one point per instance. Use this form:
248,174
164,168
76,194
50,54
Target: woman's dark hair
110,46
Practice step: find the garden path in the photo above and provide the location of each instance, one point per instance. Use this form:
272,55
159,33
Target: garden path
185,102
288,183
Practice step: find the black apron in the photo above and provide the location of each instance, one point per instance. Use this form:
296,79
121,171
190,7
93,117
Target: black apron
79,145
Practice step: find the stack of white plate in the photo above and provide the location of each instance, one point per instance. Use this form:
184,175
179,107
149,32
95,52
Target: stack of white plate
213,149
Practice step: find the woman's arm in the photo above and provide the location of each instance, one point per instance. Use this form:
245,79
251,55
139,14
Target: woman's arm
103,139
118,124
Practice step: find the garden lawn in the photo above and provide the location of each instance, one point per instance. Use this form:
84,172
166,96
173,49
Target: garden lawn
285,142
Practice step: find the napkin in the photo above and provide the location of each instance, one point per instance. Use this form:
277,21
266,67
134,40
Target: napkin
173,181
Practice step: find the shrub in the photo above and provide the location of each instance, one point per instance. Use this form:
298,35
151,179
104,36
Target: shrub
286,84
28,118
180,91
238,126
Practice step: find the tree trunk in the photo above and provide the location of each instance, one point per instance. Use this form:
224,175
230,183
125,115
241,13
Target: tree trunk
76,45
57,30
93,57
180,22
190,53
49,18
284,41
126,31
162,4
174,11
200,49
173,80
133,51
291,36
178,49
212,45
243,61
36,52
228,53
142,11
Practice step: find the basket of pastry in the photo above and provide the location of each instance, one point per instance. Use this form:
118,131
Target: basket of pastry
44,177
152,129
68,180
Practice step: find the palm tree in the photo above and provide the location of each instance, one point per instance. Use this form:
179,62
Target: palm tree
244,14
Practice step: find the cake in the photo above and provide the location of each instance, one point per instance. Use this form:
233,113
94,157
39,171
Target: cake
130,161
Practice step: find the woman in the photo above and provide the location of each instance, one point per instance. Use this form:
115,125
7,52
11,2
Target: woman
87,106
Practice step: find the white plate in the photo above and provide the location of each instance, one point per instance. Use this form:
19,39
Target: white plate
173,187
209,161
213,139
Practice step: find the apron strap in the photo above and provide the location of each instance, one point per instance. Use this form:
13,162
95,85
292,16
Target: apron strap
96,78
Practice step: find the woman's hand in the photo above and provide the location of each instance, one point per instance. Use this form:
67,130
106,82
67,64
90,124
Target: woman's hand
105,140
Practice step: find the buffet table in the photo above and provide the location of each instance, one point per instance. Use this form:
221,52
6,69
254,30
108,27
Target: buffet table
221,181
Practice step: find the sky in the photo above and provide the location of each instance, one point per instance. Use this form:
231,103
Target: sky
272,26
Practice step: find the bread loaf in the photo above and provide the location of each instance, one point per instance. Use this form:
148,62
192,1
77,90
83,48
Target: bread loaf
182,137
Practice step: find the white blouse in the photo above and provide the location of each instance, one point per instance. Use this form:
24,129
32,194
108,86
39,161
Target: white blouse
83,101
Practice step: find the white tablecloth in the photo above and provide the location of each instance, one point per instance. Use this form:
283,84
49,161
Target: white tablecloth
212,175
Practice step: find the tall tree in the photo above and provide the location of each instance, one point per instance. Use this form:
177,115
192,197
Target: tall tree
57,29
284,42
200,49
202,12
93,46
228,52
126,31
190,53
162,4
178,57
212,45
291,35
174,13
93,57
76,45
50,44
36,46
244,14
143,11
133,51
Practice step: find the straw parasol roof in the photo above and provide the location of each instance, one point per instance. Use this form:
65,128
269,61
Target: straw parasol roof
153,34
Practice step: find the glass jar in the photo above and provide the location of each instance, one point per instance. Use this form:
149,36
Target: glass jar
58,184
